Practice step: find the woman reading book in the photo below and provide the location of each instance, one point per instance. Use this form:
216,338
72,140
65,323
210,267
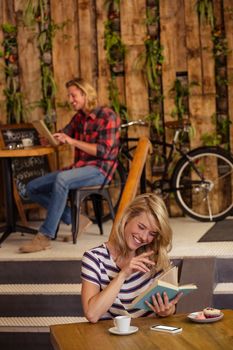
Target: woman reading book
94,133
117,271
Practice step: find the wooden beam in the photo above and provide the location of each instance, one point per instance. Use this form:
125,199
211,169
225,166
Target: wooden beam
133,178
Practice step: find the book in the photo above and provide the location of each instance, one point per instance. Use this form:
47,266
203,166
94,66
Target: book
166,282
42,129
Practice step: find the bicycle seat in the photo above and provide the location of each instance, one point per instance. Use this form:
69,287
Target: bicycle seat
177,124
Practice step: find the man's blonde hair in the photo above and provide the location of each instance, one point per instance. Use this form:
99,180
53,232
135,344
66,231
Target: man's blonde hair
88,90
152,204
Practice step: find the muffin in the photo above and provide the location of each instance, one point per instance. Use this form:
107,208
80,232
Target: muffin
210,312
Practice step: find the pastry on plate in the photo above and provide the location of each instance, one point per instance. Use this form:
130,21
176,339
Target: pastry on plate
210,312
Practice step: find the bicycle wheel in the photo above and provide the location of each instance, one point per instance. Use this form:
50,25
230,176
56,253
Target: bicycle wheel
116,187
203,183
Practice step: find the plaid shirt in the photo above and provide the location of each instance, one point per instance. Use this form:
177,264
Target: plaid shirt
102,127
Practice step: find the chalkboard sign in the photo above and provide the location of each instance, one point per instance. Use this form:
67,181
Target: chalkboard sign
24,169
14,136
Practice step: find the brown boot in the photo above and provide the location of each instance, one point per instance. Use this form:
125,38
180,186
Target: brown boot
38,243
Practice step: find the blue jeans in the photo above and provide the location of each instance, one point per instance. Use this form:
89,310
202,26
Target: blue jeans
51,192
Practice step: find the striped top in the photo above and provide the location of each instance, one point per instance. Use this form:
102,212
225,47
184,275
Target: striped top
98,267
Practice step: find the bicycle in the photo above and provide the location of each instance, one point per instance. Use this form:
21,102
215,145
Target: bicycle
202,178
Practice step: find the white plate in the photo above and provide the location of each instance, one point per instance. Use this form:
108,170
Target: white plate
131,330
193,317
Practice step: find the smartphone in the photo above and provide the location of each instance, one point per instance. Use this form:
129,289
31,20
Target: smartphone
168,329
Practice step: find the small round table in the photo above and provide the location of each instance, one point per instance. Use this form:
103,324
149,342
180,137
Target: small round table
6,155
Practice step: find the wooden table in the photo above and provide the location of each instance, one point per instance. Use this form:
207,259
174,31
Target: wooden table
86,336
6,155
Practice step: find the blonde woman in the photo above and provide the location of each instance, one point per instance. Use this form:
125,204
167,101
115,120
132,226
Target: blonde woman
116,272
94,133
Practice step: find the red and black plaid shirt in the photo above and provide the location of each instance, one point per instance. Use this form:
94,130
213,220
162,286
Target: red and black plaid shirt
102,127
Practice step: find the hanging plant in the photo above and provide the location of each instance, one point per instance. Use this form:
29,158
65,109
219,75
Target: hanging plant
205,12
180,92
150,61
155,123
35,11
152,21
220,46
115,49
211,139
220,135
112,7
115,103
16,110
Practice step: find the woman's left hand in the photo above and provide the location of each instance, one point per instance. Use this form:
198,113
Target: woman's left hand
162,306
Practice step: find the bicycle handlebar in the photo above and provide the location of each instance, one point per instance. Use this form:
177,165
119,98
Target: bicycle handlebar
134,122
173,124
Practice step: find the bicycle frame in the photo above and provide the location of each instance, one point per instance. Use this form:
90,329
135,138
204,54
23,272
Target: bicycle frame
125,150
195,187
159,185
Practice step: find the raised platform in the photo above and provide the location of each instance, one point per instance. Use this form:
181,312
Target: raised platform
186,233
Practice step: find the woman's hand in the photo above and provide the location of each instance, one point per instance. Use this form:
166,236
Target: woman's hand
137,263
162,306
63,138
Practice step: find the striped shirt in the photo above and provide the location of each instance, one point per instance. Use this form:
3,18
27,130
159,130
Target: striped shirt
101,127
98,267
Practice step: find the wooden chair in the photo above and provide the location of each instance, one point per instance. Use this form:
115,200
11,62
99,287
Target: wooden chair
133,178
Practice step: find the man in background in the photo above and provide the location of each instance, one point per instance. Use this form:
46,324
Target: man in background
94,133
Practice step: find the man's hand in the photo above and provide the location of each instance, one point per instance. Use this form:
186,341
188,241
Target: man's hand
43,141
63,138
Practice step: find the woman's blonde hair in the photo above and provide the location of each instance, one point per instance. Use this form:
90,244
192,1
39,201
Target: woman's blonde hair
88,90
152,204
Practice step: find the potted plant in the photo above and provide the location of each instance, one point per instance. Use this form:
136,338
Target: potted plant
114,99
150,61
205,12
115,49
152,21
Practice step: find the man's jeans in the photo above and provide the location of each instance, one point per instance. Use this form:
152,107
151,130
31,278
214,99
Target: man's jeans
51,192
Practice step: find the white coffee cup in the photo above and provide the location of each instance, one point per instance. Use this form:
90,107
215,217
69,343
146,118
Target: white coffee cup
122,323
27,142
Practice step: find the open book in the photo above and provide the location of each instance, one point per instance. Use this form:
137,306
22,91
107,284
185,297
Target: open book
167,282
42,129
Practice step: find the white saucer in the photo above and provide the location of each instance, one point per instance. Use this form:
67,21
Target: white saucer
131,330
193,317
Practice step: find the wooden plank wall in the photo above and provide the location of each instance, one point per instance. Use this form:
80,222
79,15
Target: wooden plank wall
133,33
30,75
170,40
228,18
103,72
78,50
